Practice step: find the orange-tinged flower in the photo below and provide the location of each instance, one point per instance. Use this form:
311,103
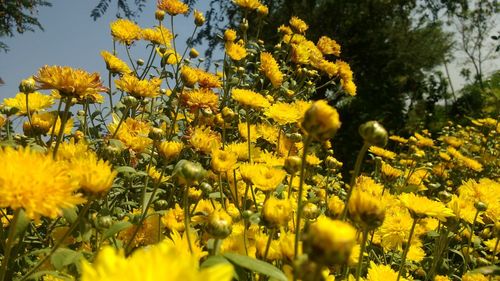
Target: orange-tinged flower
139,88
249,98
298,25
36,102
114,64
328,46
173,7
159,35
223,160
271,69
125,31
236,51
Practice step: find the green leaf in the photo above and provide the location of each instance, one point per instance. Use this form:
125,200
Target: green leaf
256,266
63,257
115,228
70,214
488,270
125,169
213,260
22,222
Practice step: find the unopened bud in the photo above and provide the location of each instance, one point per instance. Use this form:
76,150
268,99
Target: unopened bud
27,86
220,224
293,164
193,53
160,15
199,19
155,134
373,133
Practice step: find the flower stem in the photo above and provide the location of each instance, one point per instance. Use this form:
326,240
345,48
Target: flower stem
248,136
407,248
361,251
357,169
467,254
10,243
63,125
186,218
269,240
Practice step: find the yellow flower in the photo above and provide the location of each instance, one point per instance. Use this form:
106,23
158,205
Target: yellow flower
274,252
366,210
163,261
327,67
114,64
395,230
36,102
328,46
330,241
93,175
241,149
229,35
283,113
208,80
382,152
173,7
174,218
277,212
155,175
271,69
298,25
200,99
236,51
335,206
223,160
265,178
398,139
69,82
205,140
349,87
243,130
35,182
133,133
423,141
3,120
469,276
71,150
169,56
139,88
159,35
248,4
249,98
421,206
382,273
199,18
42,123
321,120
389,171
170,149
125,31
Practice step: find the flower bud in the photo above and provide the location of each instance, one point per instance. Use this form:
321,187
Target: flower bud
374,133
155,134
295,137
262,10
293,164
27,86
104,221
444,196
321,120
188,172
244,25
193,53
129,101
159,15
480,206
199,19
247,214
161,204
206,187
310,211
219,224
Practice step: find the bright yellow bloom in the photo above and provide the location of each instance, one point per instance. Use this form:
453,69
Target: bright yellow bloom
69,82
328,46
298,25
170,56
208,80
139,88
421,206
189,76
174,218
223,160
327,67
248,4
173,7
229,35
170,149
133,133
349,87
159,35
36,102
236,51
199,18
395,230
330,241
35,182
389,171
200,99
277,212
93,175
125,31
271,69
71,150
423,141
163,261
321,120
266,178
382,273
382,152
249,98
284,113
42,123
469,276
398,139
366,210
243,130
335,206
114,64
205,140
274,252
3,120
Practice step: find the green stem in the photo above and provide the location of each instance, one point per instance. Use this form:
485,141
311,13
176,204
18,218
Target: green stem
223,202
248,136
63,125
186,218
268,244
361,251
58,243
407,249
124,115
299,204
28,110
10,243
467,254
357,169
110,93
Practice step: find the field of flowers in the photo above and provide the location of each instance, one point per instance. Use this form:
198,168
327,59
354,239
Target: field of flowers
166,171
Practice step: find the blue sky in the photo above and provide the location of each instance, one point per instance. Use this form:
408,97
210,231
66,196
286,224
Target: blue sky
72,38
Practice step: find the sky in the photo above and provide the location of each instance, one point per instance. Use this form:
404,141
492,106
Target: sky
73,38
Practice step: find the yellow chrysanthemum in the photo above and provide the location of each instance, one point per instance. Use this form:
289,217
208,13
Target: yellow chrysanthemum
71,150
69,82
382,152
236,51
35,182
114,64
263,177
421,206
277,212
173,7
328,46
298,25
93,175
174,218
249,98
328,67
159,35
223,160
139,88
208,80
200,99
125,31
271,69
398,139
389,171
133,133
241,149
205,140
229,35
170,149
474,276
321,120
169,56
248,4
382,273
43,123
36,102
